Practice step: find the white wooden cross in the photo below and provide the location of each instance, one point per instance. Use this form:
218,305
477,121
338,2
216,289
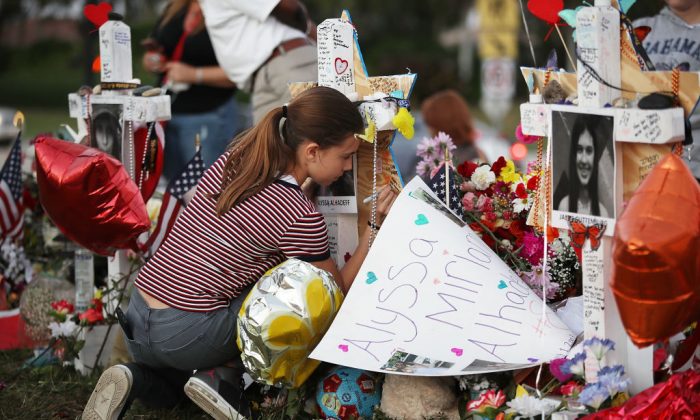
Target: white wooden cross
642,138
342,67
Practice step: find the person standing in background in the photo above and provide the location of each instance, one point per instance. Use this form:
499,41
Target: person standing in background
675,39
203,101
448,112
263,46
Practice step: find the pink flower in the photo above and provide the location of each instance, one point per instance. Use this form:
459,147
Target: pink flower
468,201
533,248
536,277
484,203
467,187
522,137
488,399
555,368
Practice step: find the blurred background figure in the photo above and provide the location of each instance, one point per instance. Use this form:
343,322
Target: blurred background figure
263,46
675,39
203,102
448,112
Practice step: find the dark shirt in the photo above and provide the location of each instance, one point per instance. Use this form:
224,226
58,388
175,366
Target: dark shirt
197,52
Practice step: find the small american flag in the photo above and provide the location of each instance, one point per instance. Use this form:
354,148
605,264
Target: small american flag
173,203
11,207
439,185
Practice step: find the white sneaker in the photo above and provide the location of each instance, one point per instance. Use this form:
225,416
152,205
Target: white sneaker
200,389
110,394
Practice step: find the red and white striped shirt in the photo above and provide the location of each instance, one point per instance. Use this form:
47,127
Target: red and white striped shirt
207,260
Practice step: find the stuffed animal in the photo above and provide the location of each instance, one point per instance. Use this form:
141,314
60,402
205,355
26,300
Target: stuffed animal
419,397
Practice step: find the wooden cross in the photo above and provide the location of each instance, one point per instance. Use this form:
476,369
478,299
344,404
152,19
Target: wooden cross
637,159
365,85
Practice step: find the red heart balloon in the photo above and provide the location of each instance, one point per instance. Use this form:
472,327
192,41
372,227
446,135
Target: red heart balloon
547,10
89,196
97,13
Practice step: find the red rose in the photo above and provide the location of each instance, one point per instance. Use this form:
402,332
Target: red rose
91,316
466,168
520,191
498,165
532,183
571,388
62,307
97,304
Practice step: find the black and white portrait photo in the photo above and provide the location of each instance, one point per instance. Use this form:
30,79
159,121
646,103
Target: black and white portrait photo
106,128
583,163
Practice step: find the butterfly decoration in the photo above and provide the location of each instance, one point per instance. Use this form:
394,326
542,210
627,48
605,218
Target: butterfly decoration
580,232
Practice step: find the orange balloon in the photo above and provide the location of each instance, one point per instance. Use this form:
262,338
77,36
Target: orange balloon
656,255
96,65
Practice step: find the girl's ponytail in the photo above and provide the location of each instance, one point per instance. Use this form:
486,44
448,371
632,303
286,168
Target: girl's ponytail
321,115
256,158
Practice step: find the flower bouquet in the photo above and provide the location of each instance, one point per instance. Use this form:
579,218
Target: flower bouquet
68,327
497,200
609,389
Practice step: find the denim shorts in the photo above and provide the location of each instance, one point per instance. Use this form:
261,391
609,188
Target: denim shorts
184,340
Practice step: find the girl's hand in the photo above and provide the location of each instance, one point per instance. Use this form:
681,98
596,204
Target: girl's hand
153,61
384,202
178,72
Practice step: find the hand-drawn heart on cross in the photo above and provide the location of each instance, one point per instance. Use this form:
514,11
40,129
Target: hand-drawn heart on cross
341,65
97,13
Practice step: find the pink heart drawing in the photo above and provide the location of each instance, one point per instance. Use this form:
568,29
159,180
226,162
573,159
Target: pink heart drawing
340,65
457,351
445,252
343,347
436,281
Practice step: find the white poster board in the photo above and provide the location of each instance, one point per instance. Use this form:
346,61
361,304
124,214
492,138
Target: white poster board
432,299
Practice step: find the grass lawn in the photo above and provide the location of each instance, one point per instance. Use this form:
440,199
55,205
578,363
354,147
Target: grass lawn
55,392
45,120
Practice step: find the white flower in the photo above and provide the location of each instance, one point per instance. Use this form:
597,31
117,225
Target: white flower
483,177
65,328
521,204
529,406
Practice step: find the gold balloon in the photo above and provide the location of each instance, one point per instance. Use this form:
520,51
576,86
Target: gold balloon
656,255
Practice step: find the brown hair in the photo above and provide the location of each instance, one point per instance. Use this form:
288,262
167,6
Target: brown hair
176,6
446,111
259,155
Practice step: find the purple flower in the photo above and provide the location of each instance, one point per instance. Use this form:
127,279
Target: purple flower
611,379
599,347
593,395
535,278
555,367
574,366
